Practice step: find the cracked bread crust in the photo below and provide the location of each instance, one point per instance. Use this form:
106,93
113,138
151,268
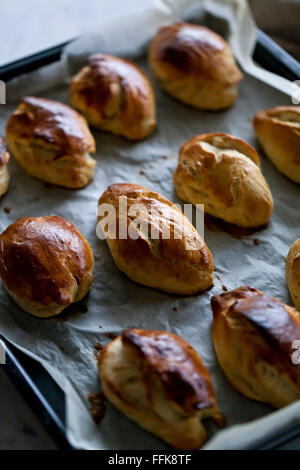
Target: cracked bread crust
176,265
223,173
159,380
51,141
115,95
278,131
253,335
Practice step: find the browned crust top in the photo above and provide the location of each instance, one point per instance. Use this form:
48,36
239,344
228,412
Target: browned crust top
286,118
171,250
277,323
185,379
222,141
191,49
53,123
278,110
41,256
217,175
104,77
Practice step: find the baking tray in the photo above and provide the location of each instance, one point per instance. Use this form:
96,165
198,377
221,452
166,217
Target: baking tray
41,392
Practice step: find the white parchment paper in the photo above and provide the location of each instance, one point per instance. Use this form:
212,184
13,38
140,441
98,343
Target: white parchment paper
65,345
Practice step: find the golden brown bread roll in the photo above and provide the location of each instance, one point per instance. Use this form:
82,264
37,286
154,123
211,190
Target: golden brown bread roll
223,173
195,65
159,381
150,255
253,335
278,131
52,142
45,264
4,173
293,273
115,95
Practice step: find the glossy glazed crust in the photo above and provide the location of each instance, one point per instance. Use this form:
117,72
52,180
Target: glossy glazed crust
223,173
115,95
278,131
293,273
159,381
52,124
51,141
45,264
195,65
253,335
4,173
182,265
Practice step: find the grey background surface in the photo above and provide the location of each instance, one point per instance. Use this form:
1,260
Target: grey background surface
29,26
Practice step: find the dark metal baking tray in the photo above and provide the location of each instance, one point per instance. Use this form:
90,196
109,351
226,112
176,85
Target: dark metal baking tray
41,392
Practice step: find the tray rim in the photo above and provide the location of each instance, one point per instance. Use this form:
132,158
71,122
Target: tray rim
268,54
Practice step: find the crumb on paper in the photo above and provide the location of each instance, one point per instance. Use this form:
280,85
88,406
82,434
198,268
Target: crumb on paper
142,172
256,241
98,348
224,288
174,309
7,210
111,335
98,408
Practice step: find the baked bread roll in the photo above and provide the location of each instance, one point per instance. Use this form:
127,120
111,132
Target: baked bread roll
278,131
223,173
164,250
4,173
52,142
115,95
293,273
195,65
45,264
253,335
158,380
